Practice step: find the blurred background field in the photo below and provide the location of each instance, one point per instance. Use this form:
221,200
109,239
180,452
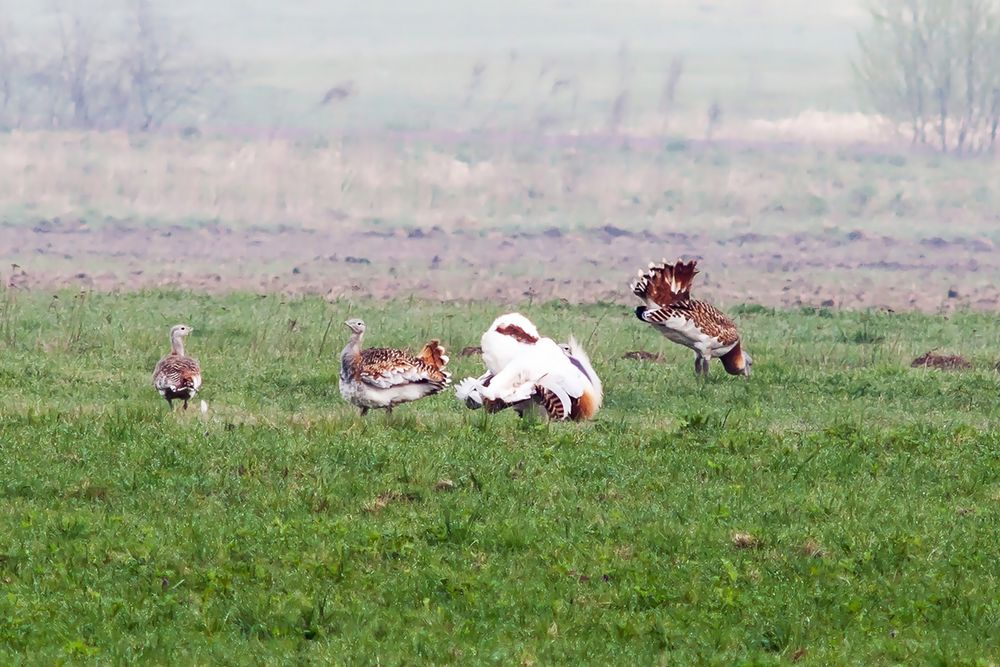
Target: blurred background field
493,152
448,64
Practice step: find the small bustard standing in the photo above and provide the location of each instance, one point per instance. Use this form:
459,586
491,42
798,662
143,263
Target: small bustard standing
666,290
384,377
177,376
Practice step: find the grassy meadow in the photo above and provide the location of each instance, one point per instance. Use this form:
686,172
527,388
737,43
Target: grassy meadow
839,507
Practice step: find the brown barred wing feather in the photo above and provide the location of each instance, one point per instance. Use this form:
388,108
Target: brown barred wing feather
714,322
177,377
386,367
553,404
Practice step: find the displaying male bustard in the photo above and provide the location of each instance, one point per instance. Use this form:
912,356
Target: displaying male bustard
666,290
381,377
523,369
177,376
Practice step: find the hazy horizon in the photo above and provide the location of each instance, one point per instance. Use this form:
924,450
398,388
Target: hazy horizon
756,59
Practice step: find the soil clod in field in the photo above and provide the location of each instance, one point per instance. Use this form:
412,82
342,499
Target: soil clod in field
444,485
471,351
745,541
943,361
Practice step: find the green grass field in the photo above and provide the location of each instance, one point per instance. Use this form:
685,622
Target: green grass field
283,528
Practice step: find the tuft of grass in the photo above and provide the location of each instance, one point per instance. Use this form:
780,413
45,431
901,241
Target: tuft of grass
869,331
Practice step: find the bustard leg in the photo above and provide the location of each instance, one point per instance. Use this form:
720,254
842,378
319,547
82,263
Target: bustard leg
388,409
185,404
701,366
364,411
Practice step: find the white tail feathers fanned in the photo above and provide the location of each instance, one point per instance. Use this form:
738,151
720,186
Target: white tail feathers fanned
579,355
664,284
467,391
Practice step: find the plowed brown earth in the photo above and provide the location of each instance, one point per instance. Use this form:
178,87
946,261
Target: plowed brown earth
853,270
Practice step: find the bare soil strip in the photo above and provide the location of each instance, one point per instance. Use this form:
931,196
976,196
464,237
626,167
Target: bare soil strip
854,270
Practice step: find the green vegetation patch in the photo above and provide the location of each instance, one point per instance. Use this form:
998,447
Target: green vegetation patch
839,507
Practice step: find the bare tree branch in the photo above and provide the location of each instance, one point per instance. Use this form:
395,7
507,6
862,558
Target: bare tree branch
929,63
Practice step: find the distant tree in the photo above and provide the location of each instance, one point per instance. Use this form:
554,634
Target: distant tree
127,70
475,84
931,65
620,106
8,67
668,94
73,68
618,112
713,119
164,72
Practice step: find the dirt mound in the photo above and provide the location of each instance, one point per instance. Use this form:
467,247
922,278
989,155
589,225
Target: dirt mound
642,355
942,361
470,351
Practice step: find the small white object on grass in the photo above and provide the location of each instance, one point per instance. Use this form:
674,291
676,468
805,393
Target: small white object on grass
204,407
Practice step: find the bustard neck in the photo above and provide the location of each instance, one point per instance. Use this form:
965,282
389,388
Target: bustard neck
177,344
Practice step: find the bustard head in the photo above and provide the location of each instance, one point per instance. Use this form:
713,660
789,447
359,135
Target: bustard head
355,325
180,331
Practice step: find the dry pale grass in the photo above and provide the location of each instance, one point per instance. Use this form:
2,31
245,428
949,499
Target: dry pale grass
823,127
809,126
524,179
386,498
259,182
813,549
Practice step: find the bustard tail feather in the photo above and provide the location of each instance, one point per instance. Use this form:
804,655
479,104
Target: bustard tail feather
434,356
663,284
